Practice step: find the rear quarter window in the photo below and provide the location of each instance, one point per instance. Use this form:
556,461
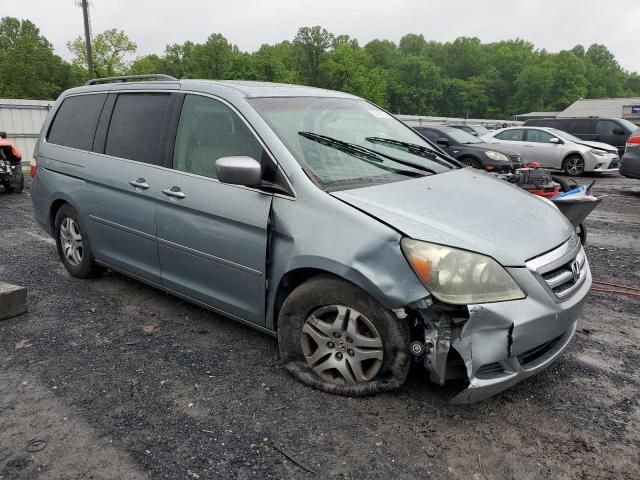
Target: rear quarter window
74,124
580,127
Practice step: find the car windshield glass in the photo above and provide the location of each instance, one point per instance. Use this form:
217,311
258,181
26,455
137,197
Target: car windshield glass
345,143
461,136
481,130
564,135
632,127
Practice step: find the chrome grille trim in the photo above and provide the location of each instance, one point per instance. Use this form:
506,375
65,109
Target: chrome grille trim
561,271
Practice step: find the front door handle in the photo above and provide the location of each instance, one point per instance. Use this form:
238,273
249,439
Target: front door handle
139,183
174,192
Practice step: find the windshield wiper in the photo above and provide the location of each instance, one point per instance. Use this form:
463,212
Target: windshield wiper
361,152
419,150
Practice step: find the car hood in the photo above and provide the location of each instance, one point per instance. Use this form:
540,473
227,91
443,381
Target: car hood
467,209
599,146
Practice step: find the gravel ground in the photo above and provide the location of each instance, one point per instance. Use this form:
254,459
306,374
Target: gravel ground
112,379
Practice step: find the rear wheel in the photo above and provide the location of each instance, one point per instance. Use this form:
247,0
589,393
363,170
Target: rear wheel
73,245
334,337
574,165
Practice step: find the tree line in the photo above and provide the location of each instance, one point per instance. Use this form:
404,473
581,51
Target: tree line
463,78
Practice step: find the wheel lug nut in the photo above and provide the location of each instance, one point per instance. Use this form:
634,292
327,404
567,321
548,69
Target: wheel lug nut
336,334
339,356
330,344
350,352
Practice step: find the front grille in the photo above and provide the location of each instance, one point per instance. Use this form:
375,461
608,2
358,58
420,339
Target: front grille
565,280
535,353
563,270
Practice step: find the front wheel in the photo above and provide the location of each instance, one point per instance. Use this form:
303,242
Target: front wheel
334,337
574,166
470,162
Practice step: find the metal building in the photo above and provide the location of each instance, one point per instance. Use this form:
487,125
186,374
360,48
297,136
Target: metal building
628,108
22,121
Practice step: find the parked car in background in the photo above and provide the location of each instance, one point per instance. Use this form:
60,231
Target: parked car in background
318,218
630,166
476,130
558,150
472,151
612,131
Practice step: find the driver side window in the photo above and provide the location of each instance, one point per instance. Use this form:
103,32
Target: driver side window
539,136
209,130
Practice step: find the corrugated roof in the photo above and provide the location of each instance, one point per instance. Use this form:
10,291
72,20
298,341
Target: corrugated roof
538,114
600,107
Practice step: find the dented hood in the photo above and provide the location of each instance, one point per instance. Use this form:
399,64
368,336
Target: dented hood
467,209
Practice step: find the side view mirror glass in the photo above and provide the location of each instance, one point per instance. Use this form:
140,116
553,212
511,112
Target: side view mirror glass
442,141
239,171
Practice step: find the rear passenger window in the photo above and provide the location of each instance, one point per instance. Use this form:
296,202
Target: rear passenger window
209,130
580,127
75,122
512,135
138,126
429,134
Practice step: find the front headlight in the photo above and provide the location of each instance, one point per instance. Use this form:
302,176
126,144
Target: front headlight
459,277
497,156
600,153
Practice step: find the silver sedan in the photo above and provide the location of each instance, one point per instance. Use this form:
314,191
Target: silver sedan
558,150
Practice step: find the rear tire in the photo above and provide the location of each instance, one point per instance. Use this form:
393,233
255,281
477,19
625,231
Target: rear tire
73,244
574,165
334,337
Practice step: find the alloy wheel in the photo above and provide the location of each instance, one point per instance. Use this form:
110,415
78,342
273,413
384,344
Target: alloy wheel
341,345
575,166
71,241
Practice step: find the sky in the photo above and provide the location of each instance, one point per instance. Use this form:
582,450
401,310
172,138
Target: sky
152,24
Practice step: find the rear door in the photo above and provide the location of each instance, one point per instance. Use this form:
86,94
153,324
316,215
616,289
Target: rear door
541,150
582,128
121,195
212,237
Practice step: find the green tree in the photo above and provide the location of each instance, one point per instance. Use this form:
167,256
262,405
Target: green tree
417,88
604,75
275,63
312,45
28,66
110,51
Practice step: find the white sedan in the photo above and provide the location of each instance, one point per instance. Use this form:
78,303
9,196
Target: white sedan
557,150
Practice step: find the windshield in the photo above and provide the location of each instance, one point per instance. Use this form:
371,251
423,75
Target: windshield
632,127
564,135
481,130
345,143
461,136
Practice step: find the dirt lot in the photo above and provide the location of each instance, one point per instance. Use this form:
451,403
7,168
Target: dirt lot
86,379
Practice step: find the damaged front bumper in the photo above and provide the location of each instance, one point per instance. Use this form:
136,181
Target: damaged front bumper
503,343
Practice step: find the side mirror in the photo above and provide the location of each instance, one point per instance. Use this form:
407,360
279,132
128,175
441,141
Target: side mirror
556,141
618,131
239,171
442,142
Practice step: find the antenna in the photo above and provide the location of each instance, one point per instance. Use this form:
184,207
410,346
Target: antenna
87,35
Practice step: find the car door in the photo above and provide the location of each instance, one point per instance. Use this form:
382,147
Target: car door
541,149
609,132
212,237
515,138
581,128
120,199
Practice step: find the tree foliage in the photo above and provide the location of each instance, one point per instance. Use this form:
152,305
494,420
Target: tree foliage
415,76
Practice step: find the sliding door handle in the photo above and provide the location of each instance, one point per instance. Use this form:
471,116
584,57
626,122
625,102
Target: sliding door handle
174,192
139,183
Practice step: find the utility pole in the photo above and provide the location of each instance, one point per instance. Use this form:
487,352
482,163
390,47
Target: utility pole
87,36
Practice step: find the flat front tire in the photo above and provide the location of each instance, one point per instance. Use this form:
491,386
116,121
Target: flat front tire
334,337
73,244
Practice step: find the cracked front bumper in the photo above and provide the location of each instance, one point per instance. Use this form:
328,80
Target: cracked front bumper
503,343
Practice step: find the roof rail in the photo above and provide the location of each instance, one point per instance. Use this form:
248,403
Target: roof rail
127,78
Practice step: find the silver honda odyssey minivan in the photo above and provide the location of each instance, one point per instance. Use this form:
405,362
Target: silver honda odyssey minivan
316,217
